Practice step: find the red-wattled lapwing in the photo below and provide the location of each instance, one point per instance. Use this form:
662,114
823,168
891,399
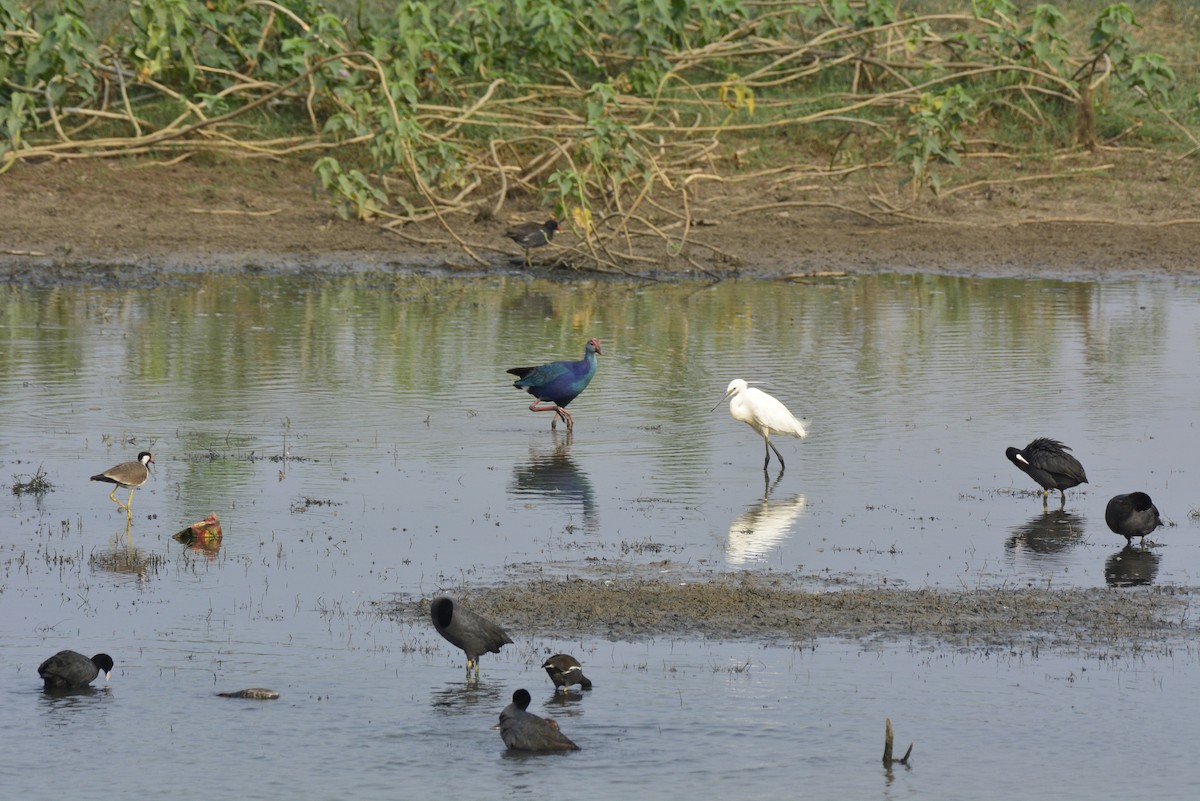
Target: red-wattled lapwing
127,474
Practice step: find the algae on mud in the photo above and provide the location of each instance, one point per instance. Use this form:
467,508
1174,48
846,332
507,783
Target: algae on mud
780,607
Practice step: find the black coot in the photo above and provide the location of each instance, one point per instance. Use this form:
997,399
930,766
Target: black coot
463,628
565,670
525,731
1048,463
69,670
1132,515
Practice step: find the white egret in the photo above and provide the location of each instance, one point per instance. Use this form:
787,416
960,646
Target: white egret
764,414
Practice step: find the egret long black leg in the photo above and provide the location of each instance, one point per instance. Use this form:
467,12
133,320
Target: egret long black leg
778,455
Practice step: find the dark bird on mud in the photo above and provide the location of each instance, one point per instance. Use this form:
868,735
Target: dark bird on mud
525,731
764,413
558,383
1047,462
531,235
565,670
1132,515
130,475
474,634
69,670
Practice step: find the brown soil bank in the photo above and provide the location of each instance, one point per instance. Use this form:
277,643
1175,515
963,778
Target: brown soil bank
118,220
1102,622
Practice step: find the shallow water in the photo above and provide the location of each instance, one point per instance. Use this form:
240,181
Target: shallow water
359,438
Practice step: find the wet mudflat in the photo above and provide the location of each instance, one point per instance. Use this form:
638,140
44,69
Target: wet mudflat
363,447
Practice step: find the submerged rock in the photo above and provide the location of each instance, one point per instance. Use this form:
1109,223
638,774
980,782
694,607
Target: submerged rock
254,693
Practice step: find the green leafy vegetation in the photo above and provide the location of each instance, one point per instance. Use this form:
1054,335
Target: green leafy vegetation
612,114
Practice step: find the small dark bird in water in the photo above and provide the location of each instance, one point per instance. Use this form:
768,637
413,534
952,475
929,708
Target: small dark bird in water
525,731
565,670
69,670
1132,515
558,383
531,235
1047,462
463,628
130,475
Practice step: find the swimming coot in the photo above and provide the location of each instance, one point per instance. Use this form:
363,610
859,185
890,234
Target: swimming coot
525,731
68,670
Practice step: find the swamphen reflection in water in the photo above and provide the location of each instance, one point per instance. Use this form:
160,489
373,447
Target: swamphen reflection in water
764,413
525,731
1132,515
531,235
565,670
70,670
558,383
474,634
1048,462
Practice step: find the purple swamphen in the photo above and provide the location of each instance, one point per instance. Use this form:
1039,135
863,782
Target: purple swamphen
558,383
532,235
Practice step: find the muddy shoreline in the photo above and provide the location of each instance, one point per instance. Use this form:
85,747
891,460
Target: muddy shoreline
139,223
786,610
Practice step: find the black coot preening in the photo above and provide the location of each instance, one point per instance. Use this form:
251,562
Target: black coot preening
525,731
69,670
1048,462
531,235
474,634
558,383
1132,515
565,670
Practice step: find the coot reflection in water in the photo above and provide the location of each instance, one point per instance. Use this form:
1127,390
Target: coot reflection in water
1131,567
1047,532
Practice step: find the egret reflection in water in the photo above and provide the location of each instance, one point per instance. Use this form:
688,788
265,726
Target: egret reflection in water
553,475
1131,567
763,526
1047,532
